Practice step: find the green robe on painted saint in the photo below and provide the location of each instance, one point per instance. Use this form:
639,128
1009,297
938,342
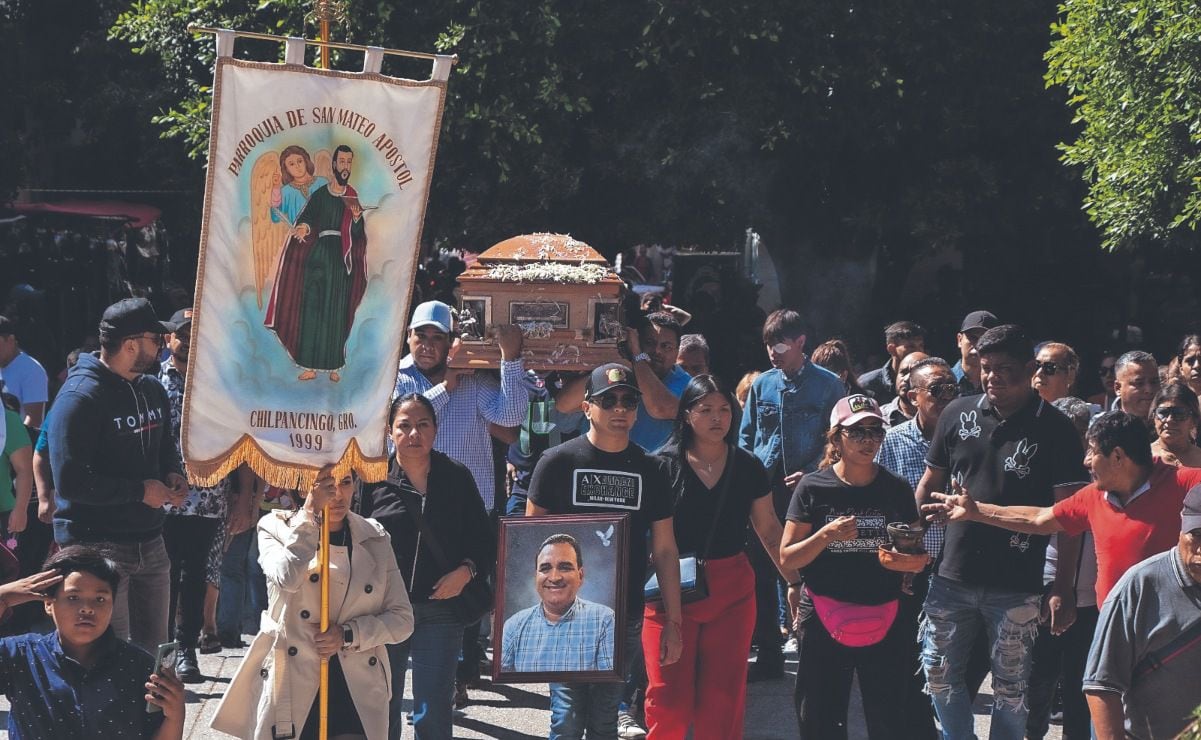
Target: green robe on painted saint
320,281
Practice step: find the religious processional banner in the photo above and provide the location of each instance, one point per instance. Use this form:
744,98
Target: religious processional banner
316,193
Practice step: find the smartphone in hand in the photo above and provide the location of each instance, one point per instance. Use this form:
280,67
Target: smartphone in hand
164,662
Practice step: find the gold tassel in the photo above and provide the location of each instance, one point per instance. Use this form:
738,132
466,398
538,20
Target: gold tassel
280,474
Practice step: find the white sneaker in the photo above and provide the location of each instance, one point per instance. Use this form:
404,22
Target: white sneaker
628,727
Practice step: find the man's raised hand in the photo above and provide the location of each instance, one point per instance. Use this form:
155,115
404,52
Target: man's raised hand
956,506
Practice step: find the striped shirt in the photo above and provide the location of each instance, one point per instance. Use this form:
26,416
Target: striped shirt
903,453
464,413
582,640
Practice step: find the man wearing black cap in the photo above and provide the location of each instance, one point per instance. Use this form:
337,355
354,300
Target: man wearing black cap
115,464
602,472
967,370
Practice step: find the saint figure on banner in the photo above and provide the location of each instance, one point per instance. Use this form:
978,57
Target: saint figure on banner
322,274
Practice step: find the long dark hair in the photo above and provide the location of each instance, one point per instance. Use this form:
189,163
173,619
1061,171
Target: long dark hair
698,388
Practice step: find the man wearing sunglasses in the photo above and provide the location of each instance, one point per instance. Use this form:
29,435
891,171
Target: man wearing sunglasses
930,387
1008,447
1055,368
115,465
603,472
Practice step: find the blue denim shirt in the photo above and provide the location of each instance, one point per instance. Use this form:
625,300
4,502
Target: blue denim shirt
786,417
52,696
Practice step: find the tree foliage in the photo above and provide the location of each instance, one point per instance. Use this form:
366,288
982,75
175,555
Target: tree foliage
77,108
857,138
1133,71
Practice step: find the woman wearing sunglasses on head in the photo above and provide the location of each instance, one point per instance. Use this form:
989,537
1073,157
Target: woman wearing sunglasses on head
1175,416
847,618
717,488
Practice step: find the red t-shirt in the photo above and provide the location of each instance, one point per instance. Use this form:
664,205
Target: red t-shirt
1148,526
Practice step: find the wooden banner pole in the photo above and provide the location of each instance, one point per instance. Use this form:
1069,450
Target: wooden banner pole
323,9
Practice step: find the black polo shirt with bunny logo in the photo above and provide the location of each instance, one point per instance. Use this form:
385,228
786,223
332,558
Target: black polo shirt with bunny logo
1017,461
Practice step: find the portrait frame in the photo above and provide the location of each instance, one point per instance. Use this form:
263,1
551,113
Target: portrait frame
604,584
481,308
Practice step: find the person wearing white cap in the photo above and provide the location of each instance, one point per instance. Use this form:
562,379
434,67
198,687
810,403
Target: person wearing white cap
464,400
465,403
847,617
1141,678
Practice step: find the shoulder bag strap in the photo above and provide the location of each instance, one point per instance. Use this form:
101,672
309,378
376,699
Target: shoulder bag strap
1188,639
727,474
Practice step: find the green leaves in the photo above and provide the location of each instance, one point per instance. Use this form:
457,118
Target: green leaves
1131,68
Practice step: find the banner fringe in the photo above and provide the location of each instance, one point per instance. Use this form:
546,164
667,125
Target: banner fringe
291,477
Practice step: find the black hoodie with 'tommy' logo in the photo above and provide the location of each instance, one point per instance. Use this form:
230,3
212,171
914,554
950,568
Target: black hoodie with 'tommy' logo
108,435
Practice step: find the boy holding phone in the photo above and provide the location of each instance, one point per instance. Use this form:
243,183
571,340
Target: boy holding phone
81,680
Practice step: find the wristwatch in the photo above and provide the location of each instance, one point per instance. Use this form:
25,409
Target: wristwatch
470,567
642,357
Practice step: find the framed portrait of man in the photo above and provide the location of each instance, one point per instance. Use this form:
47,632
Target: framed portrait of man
560,596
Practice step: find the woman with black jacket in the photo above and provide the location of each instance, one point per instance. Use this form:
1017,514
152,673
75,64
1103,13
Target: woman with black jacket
425,484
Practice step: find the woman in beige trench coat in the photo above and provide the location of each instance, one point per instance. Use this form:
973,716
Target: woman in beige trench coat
274,692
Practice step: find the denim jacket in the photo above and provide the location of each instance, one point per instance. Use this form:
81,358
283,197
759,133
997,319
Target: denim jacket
805,401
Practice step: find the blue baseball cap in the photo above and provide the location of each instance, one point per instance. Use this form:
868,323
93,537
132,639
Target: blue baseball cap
432,313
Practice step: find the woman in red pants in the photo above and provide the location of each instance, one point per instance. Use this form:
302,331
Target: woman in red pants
717,486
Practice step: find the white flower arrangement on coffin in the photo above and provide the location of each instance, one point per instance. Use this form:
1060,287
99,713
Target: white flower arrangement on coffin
543,272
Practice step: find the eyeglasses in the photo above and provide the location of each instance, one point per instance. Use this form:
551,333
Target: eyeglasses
943,391
864,434
780,347
156,338
608,400
1172,413
1048,367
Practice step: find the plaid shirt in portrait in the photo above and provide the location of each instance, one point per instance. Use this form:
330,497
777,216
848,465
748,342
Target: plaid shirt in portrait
903,453
582,640
464,413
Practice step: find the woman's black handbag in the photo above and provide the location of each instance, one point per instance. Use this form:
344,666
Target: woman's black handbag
693,584
476,598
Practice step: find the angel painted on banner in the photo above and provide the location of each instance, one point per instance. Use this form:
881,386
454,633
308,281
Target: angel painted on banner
321,274
280,186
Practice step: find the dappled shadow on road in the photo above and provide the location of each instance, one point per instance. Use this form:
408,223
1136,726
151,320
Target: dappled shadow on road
490,730
510,697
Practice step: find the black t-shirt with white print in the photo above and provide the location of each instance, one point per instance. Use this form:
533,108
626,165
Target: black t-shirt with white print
851,570
1017,461
577,478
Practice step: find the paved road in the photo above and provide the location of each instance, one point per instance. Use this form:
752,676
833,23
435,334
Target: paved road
521,712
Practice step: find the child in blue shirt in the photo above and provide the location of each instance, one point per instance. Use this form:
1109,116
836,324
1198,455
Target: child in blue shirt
81,680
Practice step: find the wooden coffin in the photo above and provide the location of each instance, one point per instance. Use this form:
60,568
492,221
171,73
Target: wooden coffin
561,292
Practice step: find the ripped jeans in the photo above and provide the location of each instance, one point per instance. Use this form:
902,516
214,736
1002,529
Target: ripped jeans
954,614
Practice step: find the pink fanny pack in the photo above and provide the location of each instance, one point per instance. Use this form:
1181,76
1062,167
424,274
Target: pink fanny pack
854,625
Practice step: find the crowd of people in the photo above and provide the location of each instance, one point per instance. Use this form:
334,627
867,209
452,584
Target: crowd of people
1060,539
